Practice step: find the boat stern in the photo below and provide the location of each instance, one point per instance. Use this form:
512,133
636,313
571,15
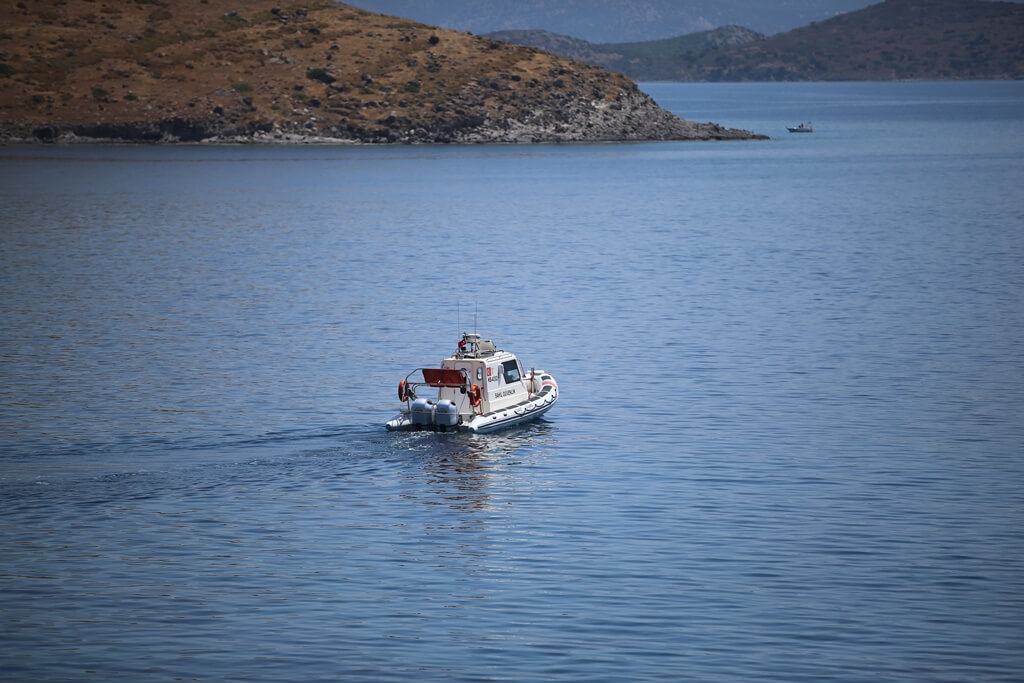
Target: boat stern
399,423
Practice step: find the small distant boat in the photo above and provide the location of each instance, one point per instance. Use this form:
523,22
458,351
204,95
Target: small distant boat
802,128
479,389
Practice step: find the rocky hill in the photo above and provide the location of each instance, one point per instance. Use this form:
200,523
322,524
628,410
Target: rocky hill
652,60
893,40
281,70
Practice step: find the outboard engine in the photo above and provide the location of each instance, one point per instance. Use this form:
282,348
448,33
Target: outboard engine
422,413
446,415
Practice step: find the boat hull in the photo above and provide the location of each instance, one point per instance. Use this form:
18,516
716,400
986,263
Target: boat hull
522,412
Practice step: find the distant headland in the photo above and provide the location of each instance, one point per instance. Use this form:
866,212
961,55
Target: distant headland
892,40
283,71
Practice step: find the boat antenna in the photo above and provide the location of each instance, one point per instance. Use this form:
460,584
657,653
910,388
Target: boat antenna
474,316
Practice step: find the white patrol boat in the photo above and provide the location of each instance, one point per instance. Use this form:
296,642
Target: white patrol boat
479,389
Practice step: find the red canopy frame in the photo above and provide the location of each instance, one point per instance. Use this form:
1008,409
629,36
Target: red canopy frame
444,377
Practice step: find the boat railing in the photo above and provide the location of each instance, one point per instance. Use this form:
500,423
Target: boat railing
452,378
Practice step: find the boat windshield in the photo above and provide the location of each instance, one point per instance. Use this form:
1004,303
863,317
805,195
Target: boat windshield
511,371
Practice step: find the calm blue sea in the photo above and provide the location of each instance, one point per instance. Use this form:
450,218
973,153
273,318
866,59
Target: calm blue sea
789,445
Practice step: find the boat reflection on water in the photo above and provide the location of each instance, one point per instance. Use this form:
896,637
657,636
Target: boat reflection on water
465,471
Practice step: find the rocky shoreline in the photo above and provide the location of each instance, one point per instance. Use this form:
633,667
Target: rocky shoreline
632,117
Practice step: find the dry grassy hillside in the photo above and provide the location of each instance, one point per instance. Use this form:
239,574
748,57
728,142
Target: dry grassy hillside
274,69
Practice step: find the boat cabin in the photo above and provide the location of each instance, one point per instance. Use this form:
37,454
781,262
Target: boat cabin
497,373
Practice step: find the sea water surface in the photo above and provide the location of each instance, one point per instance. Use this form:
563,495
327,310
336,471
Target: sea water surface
789,445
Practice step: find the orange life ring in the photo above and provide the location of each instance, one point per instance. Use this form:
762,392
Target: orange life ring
474,396
403,390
